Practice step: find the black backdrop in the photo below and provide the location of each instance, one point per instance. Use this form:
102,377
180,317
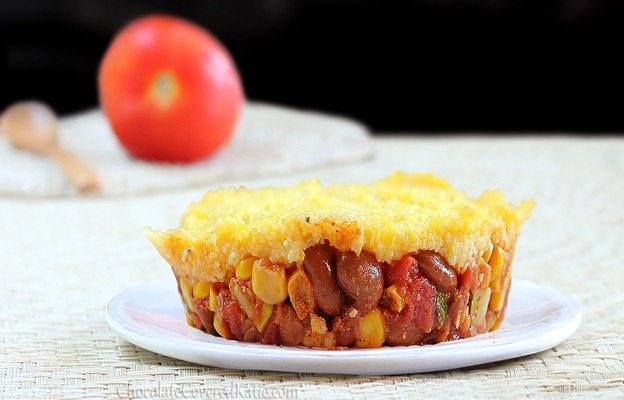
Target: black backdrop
419,65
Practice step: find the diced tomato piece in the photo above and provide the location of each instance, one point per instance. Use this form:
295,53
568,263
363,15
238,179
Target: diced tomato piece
196,320
469,280
421,303
403,271
233,315
441,333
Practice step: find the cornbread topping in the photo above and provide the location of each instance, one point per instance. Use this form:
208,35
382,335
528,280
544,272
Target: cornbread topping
405,260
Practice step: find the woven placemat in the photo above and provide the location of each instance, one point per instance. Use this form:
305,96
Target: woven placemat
62,260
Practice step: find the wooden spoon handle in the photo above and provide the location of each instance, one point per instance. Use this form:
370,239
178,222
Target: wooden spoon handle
82,176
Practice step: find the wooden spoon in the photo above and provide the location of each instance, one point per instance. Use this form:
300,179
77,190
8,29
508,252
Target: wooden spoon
33,126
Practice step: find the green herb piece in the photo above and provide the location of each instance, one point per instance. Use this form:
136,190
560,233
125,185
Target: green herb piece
442,300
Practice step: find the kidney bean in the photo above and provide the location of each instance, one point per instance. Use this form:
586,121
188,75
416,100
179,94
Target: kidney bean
361,277
319,263
251,335
270,334
345,328
435,268
400,329
290,327
206,316
456,308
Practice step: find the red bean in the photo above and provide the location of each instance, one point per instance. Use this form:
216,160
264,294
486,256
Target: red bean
205,315
319,263
361,277
435,268
290,327
345,328
271,332
458,304
400,329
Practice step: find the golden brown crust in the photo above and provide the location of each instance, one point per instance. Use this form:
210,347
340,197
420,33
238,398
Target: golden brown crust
389,218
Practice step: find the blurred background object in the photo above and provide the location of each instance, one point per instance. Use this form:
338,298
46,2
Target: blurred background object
33,126
401,65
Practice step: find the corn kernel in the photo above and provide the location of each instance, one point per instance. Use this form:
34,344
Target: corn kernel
491,321
263,318
317,324
269,282
212,304
495,285
479,306
496,261
187,291
488,252
329,340
243,269
396,300
325,340
371,333
485,274
497,299
201,290
222,327
497,322
243,296
300,293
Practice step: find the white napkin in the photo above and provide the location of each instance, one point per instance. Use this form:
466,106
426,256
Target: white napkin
268,140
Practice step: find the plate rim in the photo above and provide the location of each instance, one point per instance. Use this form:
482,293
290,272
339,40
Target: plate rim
560,330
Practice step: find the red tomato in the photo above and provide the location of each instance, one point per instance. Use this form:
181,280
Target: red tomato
170,90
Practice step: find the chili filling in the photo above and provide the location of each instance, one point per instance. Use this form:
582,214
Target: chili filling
341,299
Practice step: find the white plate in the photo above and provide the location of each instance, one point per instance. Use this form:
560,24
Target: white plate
151,316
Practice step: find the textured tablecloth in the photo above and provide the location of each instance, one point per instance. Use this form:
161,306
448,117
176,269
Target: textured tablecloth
62,260
268,140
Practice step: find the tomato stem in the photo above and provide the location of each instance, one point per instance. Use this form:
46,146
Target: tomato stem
164,88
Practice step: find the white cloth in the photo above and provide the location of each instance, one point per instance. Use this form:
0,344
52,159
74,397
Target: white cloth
269,140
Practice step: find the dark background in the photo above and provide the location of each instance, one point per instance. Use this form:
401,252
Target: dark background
419,65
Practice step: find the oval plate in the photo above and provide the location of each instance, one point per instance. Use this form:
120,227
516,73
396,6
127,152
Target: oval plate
151,316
